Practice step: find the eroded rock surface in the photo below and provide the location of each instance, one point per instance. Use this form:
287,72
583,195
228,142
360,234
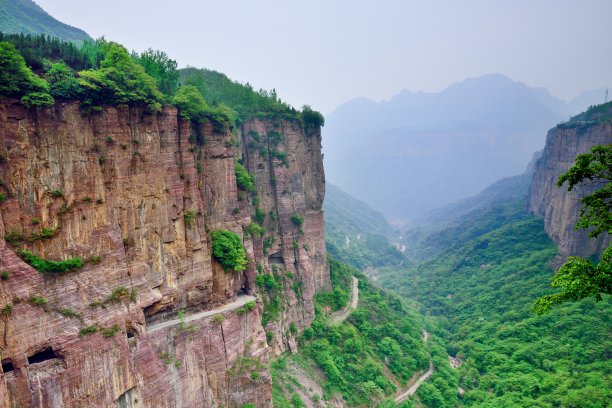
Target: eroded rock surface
137,194
559,207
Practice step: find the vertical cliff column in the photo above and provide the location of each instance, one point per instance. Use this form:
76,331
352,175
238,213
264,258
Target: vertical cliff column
559,207
286,162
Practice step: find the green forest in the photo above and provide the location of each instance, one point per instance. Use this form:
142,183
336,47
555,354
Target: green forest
479,297
370,355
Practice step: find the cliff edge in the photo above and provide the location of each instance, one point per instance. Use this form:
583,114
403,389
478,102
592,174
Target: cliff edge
559,207
151,318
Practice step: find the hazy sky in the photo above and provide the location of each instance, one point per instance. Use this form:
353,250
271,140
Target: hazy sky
323,53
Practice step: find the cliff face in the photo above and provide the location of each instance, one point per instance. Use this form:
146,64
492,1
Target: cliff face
287,166
136,195
559,207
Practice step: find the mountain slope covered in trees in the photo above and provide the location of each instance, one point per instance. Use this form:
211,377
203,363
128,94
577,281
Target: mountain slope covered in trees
480,289
357,234
25,16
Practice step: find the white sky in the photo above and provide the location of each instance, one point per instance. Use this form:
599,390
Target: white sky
324,53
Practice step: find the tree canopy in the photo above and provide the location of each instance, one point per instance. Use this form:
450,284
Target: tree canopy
161,67
16,79
593,167
120,80
40,68
228,250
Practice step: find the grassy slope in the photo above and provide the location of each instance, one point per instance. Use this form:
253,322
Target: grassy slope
481,291
25,16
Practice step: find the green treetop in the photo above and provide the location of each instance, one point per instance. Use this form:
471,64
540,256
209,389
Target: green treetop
17,80
120,80
228,250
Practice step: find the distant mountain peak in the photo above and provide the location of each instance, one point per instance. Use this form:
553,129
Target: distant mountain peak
25,16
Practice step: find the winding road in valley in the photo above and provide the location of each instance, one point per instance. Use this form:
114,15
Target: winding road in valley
341,315
415,386
239,302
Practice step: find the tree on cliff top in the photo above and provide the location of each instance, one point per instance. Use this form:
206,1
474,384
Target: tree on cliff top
580,278
17,80
120,80
161,67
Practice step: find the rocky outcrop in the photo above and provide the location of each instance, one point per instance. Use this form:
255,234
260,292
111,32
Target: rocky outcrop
559,207
284,159
136,194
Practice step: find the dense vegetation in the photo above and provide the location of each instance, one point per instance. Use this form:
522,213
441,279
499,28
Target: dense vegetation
243,179
456,223
371,354
481,291
40,69
46,266
595,114
228,250
244,101
17,80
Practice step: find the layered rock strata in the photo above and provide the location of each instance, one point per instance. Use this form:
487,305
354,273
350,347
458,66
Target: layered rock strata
559,207
136,195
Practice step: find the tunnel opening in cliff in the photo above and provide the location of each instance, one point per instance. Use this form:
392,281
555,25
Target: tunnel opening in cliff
7,366
276,259
131,333
42,356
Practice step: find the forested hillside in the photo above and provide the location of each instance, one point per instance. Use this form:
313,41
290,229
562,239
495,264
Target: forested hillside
356,234
480,291
25,16
459,222
361,361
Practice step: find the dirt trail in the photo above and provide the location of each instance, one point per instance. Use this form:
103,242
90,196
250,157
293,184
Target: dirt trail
240,301
403,396
341,315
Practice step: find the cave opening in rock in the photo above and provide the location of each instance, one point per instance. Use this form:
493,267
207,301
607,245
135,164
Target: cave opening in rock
41,356
131,333
7,366
276,259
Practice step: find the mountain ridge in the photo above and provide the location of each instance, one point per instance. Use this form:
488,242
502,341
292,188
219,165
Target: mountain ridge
25,16
474,133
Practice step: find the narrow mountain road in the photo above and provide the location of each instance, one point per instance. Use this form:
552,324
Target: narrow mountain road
240,301
403,396
341,315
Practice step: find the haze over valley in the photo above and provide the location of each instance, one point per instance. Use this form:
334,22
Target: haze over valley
420,151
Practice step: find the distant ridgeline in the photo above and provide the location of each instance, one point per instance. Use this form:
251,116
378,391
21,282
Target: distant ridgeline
40,69
25,16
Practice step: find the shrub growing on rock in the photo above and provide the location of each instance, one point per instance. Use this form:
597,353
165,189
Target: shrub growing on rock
228,250
243,178
45,266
